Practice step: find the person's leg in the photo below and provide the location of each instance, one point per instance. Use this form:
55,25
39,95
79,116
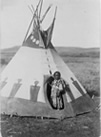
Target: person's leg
61,104
57,102
54,102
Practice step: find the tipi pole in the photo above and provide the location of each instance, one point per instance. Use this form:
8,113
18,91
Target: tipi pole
33,8
35,13
45,14
50,29
30,9
31,22
40,9
28,29
55,12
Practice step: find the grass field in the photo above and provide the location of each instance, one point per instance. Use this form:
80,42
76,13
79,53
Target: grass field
82,126
85,64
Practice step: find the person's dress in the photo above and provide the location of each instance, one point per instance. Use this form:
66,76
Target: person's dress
56,93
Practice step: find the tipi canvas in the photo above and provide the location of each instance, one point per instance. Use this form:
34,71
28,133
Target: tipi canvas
23,82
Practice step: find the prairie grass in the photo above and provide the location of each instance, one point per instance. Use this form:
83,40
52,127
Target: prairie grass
87,72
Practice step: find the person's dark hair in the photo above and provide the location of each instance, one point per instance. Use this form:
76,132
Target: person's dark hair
57,72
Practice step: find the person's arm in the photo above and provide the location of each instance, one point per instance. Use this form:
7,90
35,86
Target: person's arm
66,85
50,80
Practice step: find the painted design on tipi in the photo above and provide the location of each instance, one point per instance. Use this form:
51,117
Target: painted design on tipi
33,39
34,90
3,83
15,88
77,86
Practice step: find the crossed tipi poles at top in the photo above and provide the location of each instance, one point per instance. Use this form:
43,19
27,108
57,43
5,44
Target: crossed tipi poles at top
37,20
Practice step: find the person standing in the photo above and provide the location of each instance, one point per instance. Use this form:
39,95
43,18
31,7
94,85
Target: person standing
57,89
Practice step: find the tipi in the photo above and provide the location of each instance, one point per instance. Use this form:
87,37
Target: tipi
23,88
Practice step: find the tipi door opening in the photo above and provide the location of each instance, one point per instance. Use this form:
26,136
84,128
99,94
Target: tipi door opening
56,102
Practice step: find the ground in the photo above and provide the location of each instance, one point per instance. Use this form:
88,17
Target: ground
87,125
85,64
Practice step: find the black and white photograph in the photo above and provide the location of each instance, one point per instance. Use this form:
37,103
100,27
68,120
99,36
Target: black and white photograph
50,68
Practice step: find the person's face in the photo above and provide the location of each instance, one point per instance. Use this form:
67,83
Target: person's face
56,76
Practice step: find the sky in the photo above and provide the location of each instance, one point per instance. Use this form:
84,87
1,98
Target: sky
77,22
